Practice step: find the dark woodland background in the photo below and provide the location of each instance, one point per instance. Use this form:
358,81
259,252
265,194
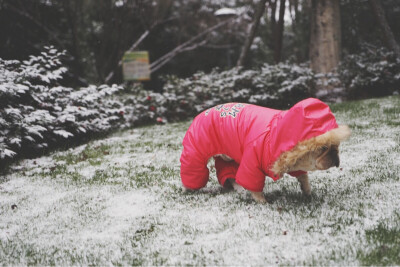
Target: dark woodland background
96,33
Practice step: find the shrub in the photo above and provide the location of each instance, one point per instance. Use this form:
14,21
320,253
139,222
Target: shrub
373,72
37,113
277,86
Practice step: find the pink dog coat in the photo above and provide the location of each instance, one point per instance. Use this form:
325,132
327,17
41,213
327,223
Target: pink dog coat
254,137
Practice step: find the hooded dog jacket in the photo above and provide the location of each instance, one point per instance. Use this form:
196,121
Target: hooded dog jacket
254,137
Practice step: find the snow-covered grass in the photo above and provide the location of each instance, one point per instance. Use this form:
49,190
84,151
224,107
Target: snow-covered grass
118,201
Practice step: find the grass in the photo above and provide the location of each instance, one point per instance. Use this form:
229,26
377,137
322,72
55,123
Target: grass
384,241
119,201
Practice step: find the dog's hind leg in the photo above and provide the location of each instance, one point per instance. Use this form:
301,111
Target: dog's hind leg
225,170
194,172
238,188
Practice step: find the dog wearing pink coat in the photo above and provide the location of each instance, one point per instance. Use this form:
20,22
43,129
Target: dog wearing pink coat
250,142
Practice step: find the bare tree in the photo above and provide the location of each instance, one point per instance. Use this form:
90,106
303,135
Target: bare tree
132,48
379,14
157,17
23,12
279,32
253,29
325,38
191,44
272,7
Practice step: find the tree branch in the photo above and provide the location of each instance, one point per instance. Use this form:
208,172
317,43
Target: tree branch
184,49
156,65
40,25
137,43
389,38
250,37
133,47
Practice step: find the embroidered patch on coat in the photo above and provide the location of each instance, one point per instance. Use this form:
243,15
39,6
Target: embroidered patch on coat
227,110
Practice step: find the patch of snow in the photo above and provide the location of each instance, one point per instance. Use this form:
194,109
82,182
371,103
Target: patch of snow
129,205
7,153
77,222
63,133
119,3
225,12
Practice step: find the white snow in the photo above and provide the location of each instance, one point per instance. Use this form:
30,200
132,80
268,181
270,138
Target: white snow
125,206
7,153
63,133
225,12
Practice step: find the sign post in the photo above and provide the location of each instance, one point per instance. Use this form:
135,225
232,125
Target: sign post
135,66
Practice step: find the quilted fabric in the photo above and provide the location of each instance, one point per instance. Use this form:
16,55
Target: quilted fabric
254,137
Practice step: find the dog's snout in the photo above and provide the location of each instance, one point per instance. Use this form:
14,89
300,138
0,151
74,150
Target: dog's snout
337,162
335,158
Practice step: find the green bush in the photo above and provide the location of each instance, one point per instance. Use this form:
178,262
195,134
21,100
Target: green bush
37,113
373,72
276,86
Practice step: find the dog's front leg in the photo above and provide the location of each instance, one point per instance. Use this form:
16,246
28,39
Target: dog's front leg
257,196
186,190
304,184
238,188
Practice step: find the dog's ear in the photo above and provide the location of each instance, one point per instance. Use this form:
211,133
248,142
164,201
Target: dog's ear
342,133
334,136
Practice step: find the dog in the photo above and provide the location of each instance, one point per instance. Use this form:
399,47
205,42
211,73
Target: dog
249,142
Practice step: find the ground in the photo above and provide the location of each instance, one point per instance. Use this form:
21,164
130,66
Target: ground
119,201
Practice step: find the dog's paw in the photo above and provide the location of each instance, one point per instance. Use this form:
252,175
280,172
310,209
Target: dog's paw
306,192
306,189
305,184
186,190
238,188
259,197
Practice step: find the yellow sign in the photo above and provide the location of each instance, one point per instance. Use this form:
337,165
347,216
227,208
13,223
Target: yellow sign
135,66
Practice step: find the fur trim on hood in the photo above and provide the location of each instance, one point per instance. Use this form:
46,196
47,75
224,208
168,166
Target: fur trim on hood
289,158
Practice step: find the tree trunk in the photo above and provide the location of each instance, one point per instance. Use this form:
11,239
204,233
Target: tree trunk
325,38
279,32
379,14
272,6
294,13
250,37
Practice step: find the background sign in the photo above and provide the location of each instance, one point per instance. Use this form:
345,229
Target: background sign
135,66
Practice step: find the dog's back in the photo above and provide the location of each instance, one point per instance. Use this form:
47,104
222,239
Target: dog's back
225,129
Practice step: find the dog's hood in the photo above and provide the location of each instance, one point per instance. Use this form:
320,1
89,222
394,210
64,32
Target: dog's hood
308,118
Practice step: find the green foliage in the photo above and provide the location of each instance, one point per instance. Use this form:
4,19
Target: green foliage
385,240
36,113
90,154
96,33
130,209
370,73
278,86
359,24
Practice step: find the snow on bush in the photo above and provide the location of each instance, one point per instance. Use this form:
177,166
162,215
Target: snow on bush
37,113
277,86
373,72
